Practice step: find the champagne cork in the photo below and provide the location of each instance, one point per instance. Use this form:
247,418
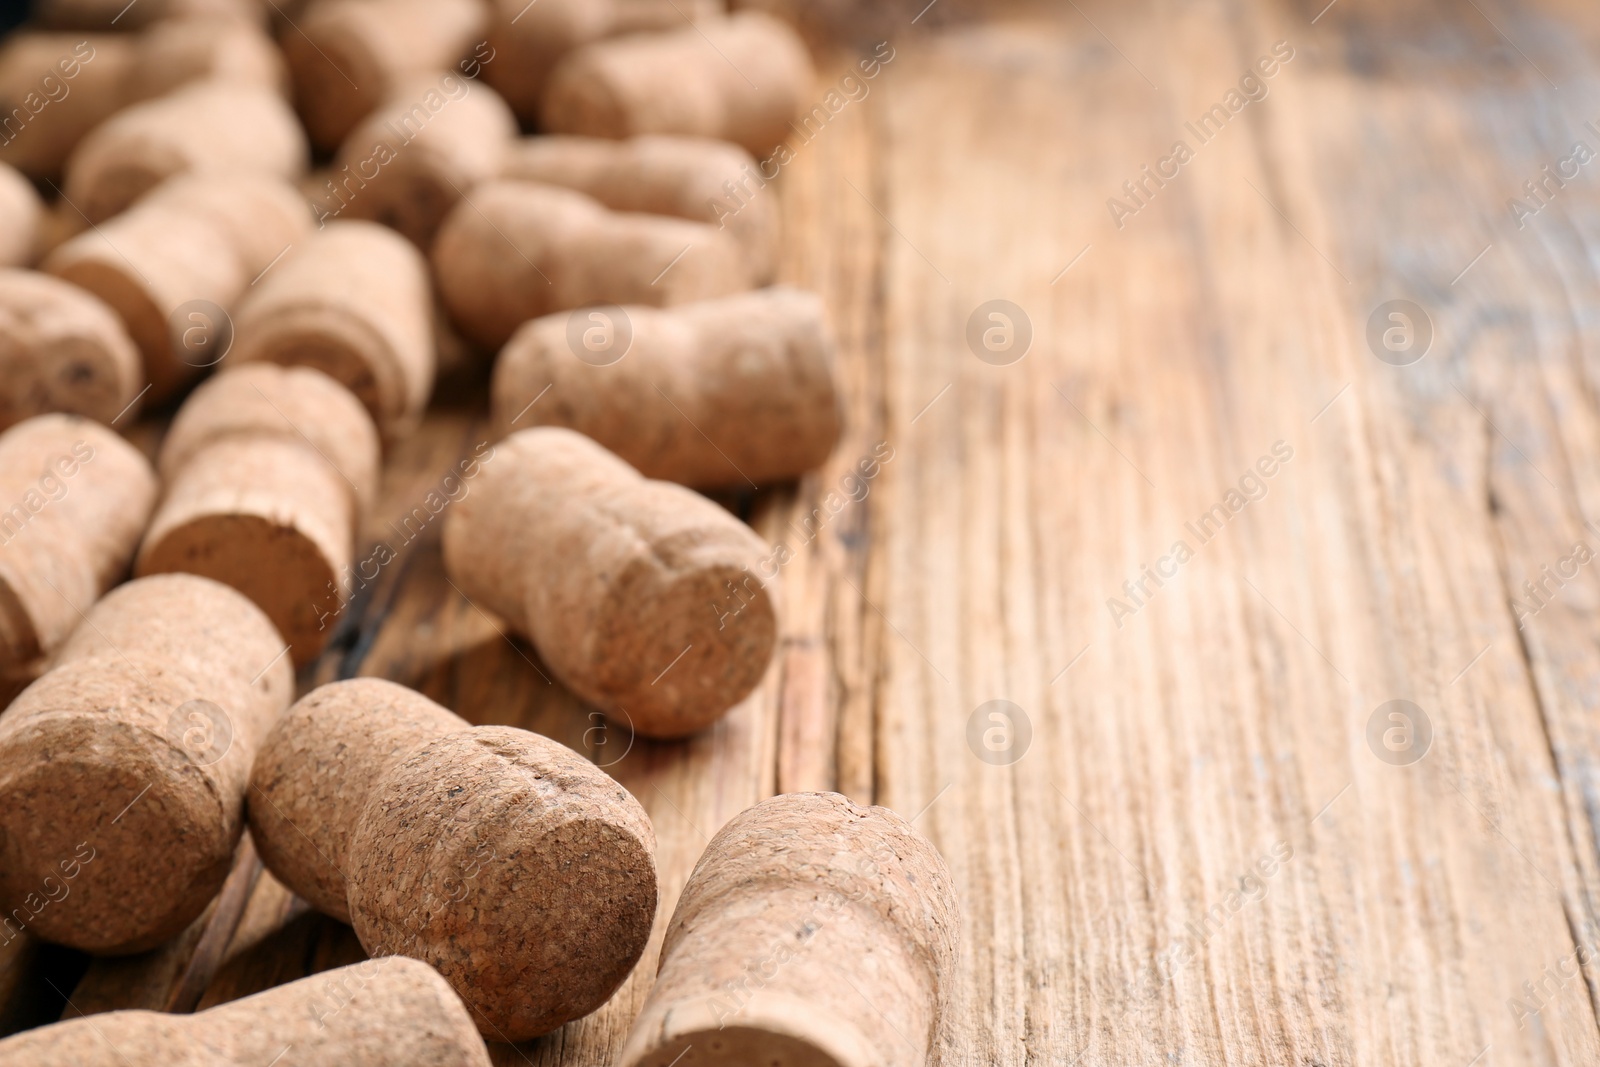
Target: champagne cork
391,1012
208,127
520,250
54,89
687,177
527,40
521,871
627,587
74,498
723,393
813,931
266,473
21,218
412,160
119,15
130,756
354,303
743,79
62,349
174,52
350,56
173,265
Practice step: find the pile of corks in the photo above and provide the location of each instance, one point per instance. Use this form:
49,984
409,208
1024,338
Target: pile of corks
570,188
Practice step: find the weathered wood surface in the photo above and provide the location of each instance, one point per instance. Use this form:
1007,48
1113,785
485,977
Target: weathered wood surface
1199,857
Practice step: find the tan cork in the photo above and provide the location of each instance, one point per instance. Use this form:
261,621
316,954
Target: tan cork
316,770
414,158
348,57
209,127
266,474
131,756
74,498
814,932
747,87
391,1012
21,218
354,303
527,41
178,258
106,15
643,597
519,250
65,85
731,392
687,177
174,52
62,349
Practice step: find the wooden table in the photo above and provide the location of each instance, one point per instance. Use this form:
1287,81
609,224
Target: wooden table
1212,842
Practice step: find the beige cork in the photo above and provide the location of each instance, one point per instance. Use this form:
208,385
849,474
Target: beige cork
119,15
391,1012
814,932
688,177
527,40
62,349
54,89
131,756
174,52
412,160
354,303
519,250
643,597
731,392
348,57
210,127
175,264
21,218
743,79
74,498
316,770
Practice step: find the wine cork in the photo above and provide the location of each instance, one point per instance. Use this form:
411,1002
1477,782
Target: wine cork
353,302
813,931
527,40
119,15
62,349
412,160
54,89
209,127
349,57
131,756
728,392
174,52
687,177
623,584
263,494
519,250
173,265
74,498
521,871
743,79
21,218
391,1012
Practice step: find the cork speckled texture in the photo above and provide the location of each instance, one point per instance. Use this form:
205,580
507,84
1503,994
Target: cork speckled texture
317,769
518,250
722,393
20,214
123,769
62,349
628,587
392,1012
521,871
673,83
814,932
74,498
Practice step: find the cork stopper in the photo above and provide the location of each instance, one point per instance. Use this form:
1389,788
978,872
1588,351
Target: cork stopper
75,498
318,767
354,302
814,932
122,769
21,216
521,871
393,1012
62,349
349,56
520,250
87,75
644,598
174,52
209,126
723,393
108,15
672,83
262,216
